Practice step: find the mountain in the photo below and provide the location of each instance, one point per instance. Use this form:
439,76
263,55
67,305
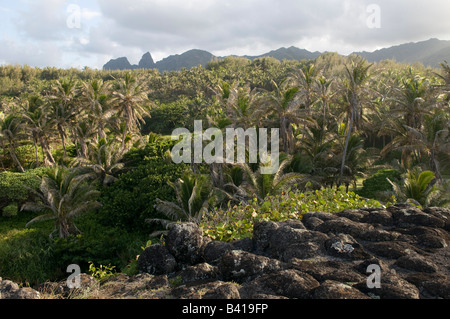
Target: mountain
146,62
431,53
291,53
186,60
123,63
118,64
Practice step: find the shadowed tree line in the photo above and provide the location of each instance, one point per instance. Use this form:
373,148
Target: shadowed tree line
340,120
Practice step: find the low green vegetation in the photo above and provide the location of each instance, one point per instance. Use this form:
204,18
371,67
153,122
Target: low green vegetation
86,175
237,222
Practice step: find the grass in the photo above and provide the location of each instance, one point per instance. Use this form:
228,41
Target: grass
30,257
25,254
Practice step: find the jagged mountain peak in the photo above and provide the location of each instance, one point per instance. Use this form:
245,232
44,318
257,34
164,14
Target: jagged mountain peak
430,52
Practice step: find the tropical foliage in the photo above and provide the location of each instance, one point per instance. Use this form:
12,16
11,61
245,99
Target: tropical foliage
88,151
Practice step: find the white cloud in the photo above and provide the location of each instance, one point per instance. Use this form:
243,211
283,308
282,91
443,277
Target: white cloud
113,28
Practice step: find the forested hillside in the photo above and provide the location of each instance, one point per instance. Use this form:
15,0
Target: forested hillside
85,154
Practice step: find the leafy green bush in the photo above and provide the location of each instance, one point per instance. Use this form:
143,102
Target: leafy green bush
30,256
15,187
156,147
11,210
375,186
131,199
97,244
237,222
26,255
102,273
166,118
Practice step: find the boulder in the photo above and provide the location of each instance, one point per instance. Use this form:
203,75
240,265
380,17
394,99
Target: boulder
240,266
337,290
392,287
322,256
11,290
224,291
184,241
156,260
288,283
200,272
416,263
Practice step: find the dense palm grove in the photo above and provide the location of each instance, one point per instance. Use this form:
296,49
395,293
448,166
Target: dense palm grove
97,142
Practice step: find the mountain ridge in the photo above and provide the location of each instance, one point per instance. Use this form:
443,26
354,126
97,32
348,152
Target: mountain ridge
431,52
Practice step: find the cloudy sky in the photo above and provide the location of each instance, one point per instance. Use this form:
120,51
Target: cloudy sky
78,33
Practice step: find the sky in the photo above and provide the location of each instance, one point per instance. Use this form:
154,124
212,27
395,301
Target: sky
79,33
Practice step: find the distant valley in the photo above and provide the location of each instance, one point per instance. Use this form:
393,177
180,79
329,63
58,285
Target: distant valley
430,53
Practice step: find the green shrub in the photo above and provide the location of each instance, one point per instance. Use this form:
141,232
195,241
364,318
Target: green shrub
30,256
102,273
156,147
166,118
237,222
97,244
26,154
375,186
131,199
16,187
11,210
26,255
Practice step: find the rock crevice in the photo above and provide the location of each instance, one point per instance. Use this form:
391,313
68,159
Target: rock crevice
324,256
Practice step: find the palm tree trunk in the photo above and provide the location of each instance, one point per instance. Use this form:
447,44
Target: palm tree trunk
12,152
36,152
124,136
101,131
63,139
344,155
284,134
46,153
434,165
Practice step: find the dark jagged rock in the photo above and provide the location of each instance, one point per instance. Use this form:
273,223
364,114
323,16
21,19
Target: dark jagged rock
323,256
184,242
241,266
157,260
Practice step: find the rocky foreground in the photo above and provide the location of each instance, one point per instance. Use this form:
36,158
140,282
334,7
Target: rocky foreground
324,256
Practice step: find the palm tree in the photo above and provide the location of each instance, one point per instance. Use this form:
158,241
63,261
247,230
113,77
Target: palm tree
305,79
258,185
82,133
412,101
104,160
64,194
433,140
11,132
357,76
445,87
64,106
417,186
98,99
32,116
284,104
193,198
36,120
241,105
132,104
357,160
325,96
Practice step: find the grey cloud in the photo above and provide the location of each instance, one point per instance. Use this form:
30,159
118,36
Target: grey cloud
172,26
